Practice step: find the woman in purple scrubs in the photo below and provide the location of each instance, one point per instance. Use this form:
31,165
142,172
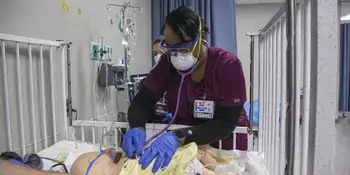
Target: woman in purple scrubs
205,89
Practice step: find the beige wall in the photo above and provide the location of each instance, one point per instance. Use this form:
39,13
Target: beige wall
251,18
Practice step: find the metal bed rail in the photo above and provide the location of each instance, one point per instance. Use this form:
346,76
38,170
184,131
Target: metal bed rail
33,92
284,45
272,92
291,89
110,131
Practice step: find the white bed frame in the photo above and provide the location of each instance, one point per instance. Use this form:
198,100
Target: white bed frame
59,98
275,132
115,127
39,104
303,79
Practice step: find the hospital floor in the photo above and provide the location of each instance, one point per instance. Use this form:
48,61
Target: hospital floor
343,147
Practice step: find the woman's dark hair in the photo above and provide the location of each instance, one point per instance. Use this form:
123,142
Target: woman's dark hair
184,19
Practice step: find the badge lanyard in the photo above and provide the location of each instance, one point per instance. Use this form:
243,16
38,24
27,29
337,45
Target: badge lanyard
161,107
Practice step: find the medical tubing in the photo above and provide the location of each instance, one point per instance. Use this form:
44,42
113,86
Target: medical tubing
183,75
93,161
175,114
61,164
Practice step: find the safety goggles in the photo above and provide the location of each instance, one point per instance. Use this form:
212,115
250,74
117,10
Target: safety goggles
181,48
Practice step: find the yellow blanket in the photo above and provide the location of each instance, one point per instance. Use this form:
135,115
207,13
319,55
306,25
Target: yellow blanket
176,166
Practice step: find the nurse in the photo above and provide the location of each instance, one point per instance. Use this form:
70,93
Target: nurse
205,89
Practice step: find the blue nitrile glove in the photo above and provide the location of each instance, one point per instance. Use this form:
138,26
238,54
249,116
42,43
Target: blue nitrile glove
135,137
163,148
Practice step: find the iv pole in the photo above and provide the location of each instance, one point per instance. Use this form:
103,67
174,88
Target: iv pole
123,10
252,36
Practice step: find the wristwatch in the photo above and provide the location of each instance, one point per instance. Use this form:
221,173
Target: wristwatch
179,134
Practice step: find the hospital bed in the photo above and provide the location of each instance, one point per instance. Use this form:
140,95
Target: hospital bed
45,124
70,149
37,110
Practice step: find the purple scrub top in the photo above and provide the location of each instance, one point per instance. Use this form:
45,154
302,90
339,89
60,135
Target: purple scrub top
223,83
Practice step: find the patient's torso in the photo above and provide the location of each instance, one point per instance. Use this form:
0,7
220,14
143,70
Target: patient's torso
103,165
176,166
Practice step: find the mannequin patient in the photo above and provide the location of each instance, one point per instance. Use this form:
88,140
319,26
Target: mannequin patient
122,165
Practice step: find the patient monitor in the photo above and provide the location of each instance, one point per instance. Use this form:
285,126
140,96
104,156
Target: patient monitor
111,75
134,85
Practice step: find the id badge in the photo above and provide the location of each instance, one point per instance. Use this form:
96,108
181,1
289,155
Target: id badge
203,109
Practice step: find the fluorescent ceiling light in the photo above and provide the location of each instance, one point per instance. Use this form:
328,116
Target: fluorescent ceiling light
345,18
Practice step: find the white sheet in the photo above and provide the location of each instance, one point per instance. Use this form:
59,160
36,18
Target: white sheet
64,148
244,163
252,162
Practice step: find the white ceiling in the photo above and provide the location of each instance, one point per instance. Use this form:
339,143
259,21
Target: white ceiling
258,1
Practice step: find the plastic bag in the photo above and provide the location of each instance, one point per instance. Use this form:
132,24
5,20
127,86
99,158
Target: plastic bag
255,111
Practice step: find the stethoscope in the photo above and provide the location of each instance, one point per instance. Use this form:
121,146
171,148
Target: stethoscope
183,76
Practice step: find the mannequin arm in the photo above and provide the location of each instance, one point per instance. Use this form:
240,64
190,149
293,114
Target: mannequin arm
206,159
10,169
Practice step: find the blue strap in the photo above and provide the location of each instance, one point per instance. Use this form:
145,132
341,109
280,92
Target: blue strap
93,161
14,161
168,117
